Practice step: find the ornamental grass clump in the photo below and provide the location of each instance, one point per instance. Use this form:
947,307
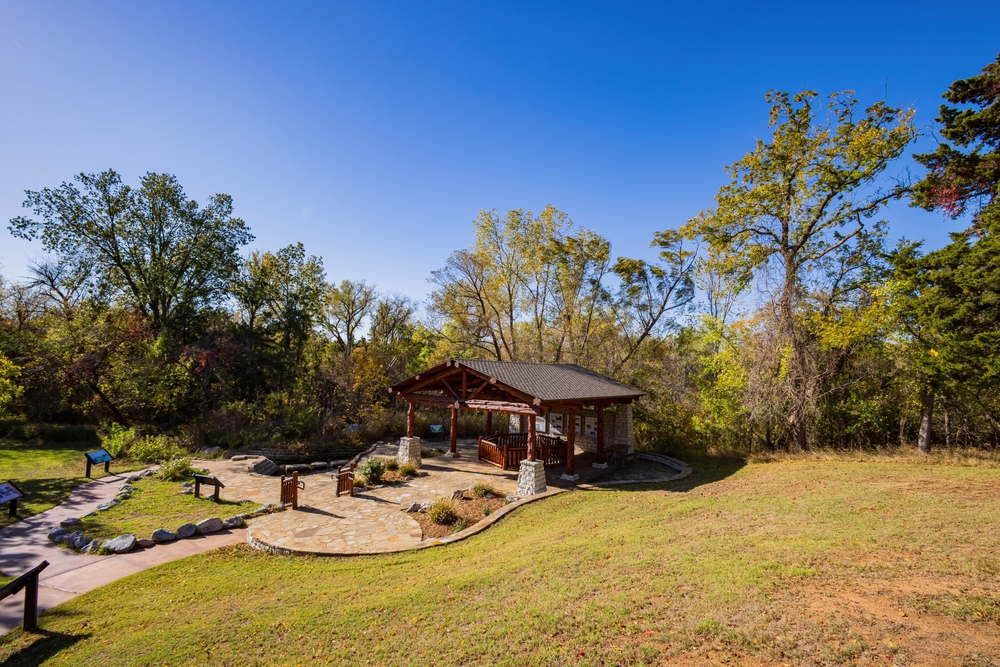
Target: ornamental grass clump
372,470
392,464
408,470
177,470
443,511
480,489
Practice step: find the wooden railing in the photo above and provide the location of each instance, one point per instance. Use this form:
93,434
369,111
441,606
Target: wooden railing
508,450
290,490
29,582
345,480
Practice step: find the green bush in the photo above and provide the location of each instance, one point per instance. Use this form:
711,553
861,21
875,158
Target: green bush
372,470
150,448
460,525
177,470
408,470
480,489
118,439
487,511
443,511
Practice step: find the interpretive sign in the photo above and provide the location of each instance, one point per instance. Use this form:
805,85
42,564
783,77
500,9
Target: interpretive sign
98,457
9,494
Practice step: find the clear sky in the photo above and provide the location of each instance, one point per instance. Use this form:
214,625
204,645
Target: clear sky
374,132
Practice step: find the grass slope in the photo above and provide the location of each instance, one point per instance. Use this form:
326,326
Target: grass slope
46,472
778,564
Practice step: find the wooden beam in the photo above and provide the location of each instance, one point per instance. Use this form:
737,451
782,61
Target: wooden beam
477,404
411,419
454,432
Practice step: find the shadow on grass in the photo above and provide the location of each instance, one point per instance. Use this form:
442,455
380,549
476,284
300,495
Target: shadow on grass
44,644
39,495
704,470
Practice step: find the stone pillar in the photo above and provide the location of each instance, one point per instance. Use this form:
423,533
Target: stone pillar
409,451
570,474
531,478
602,460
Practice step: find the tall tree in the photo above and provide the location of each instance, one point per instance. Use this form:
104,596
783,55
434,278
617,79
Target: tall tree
152,247
794,201
346,308
951,296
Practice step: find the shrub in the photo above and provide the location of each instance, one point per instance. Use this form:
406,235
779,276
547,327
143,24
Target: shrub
487,511
177,470
408,469
151,448
431,453
392,464
443,511
480,489
460,525
372,470
118,439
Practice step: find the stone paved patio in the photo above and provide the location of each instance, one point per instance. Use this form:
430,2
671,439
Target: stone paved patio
374,521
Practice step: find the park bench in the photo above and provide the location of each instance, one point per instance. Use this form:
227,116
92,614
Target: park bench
208,480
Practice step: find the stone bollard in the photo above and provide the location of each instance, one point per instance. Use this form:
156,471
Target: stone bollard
531,478
409,451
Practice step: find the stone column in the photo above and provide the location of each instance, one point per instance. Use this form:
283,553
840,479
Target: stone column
409,451
531,478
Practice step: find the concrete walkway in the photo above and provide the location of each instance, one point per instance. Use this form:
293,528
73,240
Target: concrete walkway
24,545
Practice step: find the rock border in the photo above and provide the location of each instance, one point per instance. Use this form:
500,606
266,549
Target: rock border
683,470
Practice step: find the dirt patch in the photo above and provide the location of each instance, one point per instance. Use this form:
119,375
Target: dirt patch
469,509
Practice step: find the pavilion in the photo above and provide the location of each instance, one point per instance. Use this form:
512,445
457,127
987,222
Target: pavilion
551,409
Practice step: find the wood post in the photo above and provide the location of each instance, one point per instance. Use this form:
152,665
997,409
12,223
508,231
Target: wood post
454,432
489,423
571,444
532,447
411,419
601,456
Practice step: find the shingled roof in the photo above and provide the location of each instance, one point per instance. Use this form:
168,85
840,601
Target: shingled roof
553,382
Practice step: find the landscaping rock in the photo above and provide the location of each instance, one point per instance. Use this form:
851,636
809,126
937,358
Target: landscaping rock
120,545
127,487
243,502
233,522
187,492
80,541
71,522
88,515
415,507
162,535
297,467
425,506
188,485
421,473
134,478
147,473
187,530
511,499
114,501
319,465
104,507
264,466
145,543
57,533
210,451
458,495
124,495
408,478
209,525
242,457
489,496
92,547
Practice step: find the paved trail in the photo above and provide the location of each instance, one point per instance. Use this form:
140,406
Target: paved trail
24,545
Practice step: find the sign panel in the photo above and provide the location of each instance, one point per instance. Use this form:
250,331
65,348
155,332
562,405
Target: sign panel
556,423
9,492
437,428
100,456
591,427
539,424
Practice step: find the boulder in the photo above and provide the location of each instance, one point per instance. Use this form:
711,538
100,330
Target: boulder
121,544
297,467
145,543
458,495
187,530
264,466
188,485
124,495
233,522
210,451
242,457
187,492
127,487
511,499
104,507
80,541
71,522
163,535
114,501
209,525
56,533
88,515
134,478
415,507
147,473
424,507
92,547
319,465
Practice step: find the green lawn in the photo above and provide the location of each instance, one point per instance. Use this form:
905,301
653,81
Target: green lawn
155,504
46,472
784,563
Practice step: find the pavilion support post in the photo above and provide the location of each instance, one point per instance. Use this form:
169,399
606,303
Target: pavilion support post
411,419
453,449
602,459
489,423
570,474
531,476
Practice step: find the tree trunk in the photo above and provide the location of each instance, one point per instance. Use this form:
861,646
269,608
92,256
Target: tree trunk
947,425
926,412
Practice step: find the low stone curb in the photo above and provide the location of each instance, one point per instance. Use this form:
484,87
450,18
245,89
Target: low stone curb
683,470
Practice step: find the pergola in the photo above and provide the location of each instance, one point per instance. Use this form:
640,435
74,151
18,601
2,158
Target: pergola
516,388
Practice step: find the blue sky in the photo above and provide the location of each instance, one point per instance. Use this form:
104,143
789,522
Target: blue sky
374,132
